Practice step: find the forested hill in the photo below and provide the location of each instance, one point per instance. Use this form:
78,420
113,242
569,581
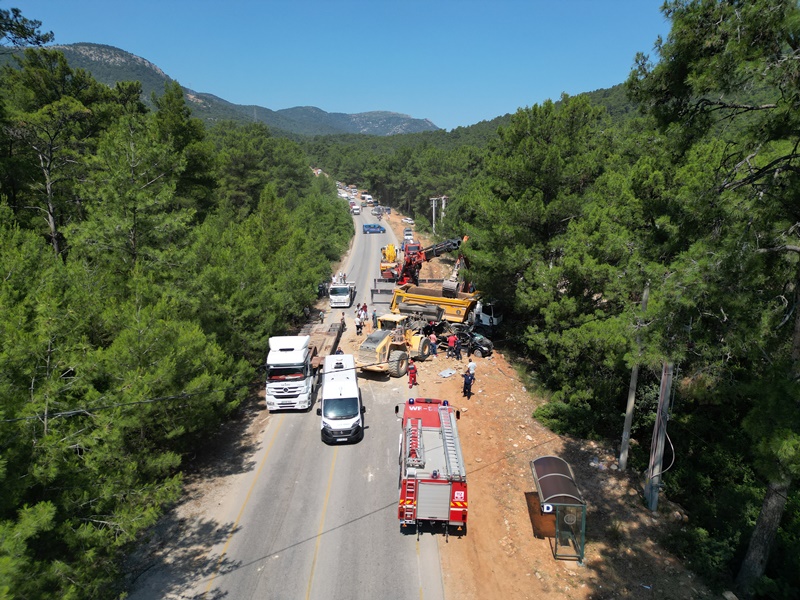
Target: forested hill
110,65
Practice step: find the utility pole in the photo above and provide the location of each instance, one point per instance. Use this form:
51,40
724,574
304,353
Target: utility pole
653,483
626,429
433,221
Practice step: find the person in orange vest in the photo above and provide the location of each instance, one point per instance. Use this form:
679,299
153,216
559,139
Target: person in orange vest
412,374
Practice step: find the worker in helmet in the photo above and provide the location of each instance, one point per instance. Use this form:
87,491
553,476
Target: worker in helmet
412,374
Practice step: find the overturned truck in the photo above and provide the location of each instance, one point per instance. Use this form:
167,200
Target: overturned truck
454,306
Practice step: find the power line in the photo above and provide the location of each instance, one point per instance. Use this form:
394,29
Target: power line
93,409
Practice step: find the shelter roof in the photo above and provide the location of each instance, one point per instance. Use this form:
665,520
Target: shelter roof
555,481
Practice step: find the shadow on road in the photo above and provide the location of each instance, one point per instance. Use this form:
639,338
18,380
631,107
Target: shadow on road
173,556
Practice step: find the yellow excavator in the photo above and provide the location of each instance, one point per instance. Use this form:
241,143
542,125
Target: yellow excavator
388,349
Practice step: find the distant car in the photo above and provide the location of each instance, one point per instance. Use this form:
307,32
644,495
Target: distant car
374,228
408,230
408,220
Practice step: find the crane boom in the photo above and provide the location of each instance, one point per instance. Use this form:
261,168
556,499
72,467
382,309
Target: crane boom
413,263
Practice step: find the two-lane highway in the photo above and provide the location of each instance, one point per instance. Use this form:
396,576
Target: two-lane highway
316,521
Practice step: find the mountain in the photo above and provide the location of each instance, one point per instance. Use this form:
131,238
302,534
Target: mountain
109,65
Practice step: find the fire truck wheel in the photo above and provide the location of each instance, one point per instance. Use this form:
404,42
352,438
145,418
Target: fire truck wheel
424,350
398,363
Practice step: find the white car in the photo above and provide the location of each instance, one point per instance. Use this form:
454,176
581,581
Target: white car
408,220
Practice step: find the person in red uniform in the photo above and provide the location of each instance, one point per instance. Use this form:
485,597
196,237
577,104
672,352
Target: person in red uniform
412,374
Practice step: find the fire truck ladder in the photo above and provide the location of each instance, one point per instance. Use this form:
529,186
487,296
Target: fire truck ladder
415,451
415,458
449,440
410,507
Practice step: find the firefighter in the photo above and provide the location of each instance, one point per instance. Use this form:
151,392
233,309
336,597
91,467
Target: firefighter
412,374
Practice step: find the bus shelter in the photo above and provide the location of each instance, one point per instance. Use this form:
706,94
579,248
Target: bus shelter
557,508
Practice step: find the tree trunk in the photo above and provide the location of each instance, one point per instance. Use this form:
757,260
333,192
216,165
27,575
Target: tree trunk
755,561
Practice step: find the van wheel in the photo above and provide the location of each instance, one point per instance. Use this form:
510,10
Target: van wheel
398,363
424,350
478,352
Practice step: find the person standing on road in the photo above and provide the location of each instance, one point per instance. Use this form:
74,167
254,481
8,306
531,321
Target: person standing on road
434,344
374,320
412,374
344,323
358,325
457,349
365,320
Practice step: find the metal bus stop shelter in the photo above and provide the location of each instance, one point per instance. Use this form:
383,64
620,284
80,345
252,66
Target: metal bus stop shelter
557,509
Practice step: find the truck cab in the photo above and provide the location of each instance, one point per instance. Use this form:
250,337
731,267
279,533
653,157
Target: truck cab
342,294
341,408
291,378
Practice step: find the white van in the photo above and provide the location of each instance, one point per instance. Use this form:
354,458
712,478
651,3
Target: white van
341,408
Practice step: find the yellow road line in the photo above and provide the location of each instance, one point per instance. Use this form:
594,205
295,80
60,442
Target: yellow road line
419,570
241,510
321,523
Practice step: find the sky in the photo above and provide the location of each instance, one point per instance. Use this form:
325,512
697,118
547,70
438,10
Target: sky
454,62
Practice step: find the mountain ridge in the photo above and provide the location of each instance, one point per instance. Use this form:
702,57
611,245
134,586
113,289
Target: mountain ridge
109,65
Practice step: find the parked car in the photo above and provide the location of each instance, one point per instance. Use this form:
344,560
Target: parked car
408,220
374,228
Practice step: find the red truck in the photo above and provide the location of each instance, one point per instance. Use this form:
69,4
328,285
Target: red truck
433,478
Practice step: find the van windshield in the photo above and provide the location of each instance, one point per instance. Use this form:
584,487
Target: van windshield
340,408
286,373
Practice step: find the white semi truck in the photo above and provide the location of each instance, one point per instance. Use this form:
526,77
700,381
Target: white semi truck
293,366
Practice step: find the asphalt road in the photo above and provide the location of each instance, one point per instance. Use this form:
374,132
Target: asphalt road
311,521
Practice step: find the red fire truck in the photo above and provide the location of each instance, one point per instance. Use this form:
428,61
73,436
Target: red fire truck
433,479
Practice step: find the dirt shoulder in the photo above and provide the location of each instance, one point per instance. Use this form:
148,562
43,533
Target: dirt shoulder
499,558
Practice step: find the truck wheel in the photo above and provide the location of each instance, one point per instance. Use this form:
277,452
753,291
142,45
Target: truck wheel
424,350
398,363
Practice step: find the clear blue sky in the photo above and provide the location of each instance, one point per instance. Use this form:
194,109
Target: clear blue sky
455,62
